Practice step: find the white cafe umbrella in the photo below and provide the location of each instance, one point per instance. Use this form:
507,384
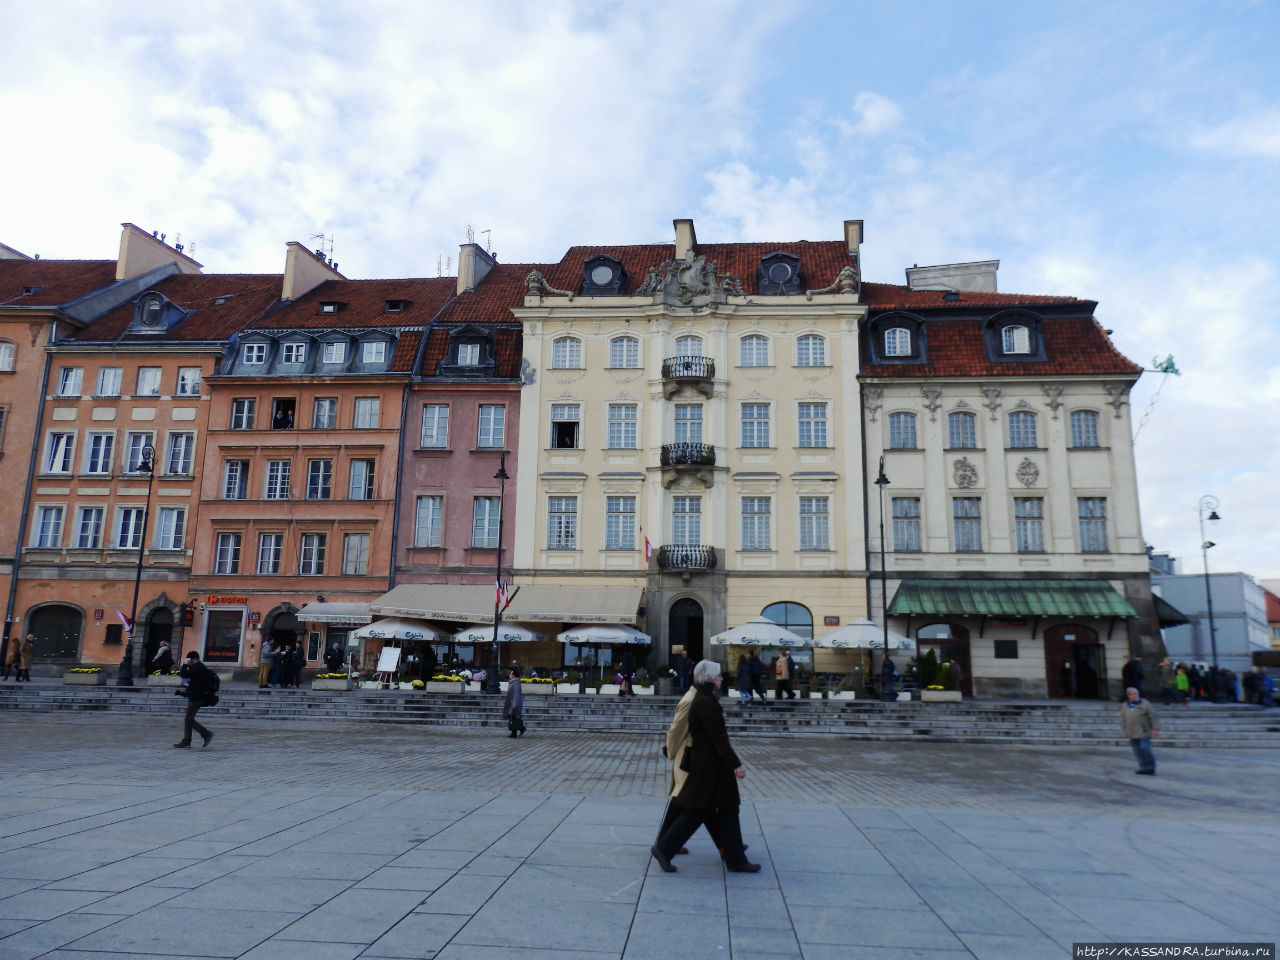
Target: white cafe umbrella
393,628
507,633
863,634
605,634
760,632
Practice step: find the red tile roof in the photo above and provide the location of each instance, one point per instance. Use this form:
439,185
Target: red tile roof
890,296
366,302
508,350
59,280
1273,606
251,295
406,351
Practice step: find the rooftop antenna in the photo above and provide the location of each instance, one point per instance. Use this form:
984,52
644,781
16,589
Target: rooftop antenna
448,266
487,238
471,234
325,249
439,266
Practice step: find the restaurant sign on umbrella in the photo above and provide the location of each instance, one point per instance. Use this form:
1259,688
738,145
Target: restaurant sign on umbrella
759,631
507,633
863,634
393,628
605,635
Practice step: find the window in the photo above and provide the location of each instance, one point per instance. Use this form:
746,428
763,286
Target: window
355,554
270,552
1006,649
755,425
753,351
791,616
813,425
897,342
966,513
277,481
1015,339
1022,429
181,451
148,382
129,528
622,426
69,381
566,353
815,523
688,423
6,355
374,351
227,557
282,411
1028,521
293,353
335,353
688,346
686,521
468,354
564,426
311,557
108,382
254,353
1092,512
242,413
366,415
620,523
1084,428
906,524
902,431
435,425
562,523
360,486
235,480
170,527
89,528
492,427
426,529
98,457
188,382
48,529
755,523
135,452
484,523
57,457
624,352
811,351
324,413
962,431
319,479
329,307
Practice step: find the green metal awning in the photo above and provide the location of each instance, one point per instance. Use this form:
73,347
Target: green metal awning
1168,614
1010,598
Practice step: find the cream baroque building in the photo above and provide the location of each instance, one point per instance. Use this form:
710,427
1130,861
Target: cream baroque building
703,399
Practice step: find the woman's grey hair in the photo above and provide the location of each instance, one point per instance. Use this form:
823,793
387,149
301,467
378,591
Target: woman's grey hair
705,671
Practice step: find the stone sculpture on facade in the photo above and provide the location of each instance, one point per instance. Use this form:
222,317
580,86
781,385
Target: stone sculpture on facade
684,280
846,282
1027,473
965,473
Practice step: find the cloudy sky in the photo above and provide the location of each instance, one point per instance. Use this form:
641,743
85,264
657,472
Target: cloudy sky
1122,152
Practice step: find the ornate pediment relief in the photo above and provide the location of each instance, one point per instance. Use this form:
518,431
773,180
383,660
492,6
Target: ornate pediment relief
684,281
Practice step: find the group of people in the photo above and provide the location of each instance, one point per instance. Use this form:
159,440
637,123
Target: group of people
751,672
1184,682
281,664
17,659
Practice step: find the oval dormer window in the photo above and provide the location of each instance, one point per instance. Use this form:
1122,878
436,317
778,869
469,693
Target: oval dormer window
152,309
1015,339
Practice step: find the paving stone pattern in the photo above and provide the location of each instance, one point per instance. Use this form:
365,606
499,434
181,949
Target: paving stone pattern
289,840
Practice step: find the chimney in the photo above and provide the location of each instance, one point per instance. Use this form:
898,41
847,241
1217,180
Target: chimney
686,239
853,236
142,252
304,271
979,276
473,266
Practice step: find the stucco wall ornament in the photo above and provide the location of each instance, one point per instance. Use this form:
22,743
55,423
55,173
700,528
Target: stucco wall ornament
965,473
873,400
932,400
1028,473
995,397
846,282
1118,396
1053,397
683,280
535,284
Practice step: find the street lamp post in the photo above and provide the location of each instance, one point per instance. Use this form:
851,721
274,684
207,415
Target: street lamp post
1209,503
148,465
882,481
491,679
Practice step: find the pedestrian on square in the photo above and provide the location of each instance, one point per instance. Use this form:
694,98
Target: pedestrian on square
744,680
784,673
1167,692
684,671
333,659
12,659
276,677
757,677
628,673
26,655
710,791
264,663
1139,723
163,660
1182,684
202,686
513,706
299,663
679,741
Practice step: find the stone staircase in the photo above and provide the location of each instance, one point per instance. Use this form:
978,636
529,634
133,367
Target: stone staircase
1048,723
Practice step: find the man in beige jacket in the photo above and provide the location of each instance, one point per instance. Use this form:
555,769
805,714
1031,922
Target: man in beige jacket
679,739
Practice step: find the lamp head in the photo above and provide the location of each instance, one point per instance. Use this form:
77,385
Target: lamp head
1207,544
1213,515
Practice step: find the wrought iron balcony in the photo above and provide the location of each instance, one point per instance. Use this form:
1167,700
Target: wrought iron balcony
688,368
687,454
683,556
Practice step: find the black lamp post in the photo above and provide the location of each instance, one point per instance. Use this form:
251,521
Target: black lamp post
491,678
146,465
881,482
1209,503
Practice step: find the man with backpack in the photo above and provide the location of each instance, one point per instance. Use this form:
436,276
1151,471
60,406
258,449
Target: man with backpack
201,691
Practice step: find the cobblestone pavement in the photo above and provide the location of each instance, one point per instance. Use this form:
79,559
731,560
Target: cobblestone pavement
296,841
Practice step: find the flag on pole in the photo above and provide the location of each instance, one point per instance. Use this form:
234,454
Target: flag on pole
648,551
500,594
125,620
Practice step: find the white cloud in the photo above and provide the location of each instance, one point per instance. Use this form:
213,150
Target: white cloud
875,114
1253,135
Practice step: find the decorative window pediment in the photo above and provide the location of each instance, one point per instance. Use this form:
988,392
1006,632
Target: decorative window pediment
779,274
603,276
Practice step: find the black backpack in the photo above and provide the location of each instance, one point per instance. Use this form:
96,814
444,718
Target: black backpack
214,687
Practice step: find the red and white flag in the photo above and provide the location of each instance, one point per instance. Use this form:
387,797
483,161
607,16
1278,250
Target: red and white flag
648,551
500,595
125,620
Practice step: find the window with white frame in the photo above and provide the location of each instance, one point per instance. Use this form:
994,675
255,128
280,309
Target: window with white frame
1084,428
311,556
324,413
293,353
562,523
906,524
428,521
171,523
58,452
468,354
565,423
227,555
334,352
129,527
902,431
962,431
253,354
755,424
47,533
491,430
70,381
1028,522
242,413
813,425
620,523
89,528
100,453
108,382
484,523
270,552
235,480
755,523
966,518
7,354
566,353
622,426
1092,514
811,351
1022,429
897,342
135,453
624,352
366,413
360,485
435,425
355,554
1015,339
276,486
148,382
319,479
373,351
815,523
182,448
688,423
188,382
686,521
753,351
688,346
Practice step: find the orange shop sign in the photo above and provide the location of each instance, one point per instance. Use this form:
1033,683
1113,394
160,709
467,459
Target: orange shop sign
213,598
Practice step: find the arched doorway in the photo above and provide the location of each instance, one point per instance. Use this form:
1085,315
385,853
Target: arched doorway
283,629
948,641
159,630
57,628
684,627
1075,662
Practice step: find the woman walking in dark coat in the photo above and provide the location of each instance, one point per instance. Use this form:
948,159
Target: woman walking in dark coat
711,789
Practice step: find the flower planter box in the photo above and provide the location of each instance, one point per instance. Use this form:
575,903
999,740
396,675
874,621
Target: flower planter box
607,689
442,686
98,679
566,688
165,680
644,691
940,696
539,689
330,684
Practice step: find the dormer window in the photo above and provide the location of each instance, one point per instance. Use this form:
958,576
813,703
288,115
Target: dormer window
396,306
151,310
375,351
468,354
329,307
29,291
1015,338
603,276
779,274
335,353
219,301
897,342
293,353
897,338
254,354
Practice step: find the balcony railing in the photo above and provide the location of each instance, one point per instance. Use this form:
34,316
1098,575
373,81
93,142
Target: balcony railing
688,368
687,454
686,557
